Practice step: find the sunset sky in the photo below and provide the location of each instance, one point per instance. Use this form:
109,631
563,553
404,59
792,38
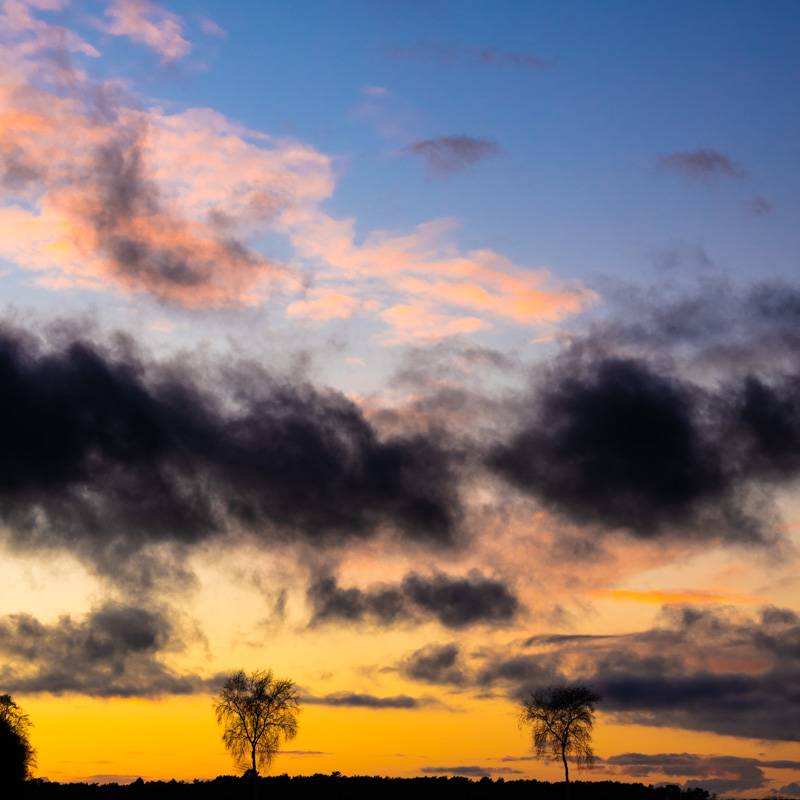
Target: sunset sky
423,351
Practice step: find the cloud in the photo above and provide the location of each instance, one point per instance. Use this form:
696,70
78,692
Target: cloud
660,597
707,669
704,164
446,155
211,28
147,23
421,286
759,206
716,773
624,443
102,195
438,664
465,771
470,771
111,455
114,651
356,700
446,54
112,197
454,602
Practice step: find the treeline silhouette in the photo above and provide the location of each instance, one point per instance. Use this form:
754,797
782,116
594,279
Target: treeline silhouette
360,786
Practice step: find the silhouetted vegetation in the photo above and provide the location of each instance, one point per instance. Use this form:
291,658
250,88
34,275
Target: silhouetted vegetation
335,785
17,756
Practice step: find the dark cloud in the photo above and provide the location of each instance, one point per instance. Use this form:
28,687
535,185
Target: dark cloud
613,442
111,652
446,155
702,164
107,454
437,53
357,700
792,789
624,443
667,676
716,773
454,602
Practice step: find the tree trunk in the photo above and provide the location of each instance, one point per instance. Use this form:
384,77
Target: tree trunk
255,773
566,774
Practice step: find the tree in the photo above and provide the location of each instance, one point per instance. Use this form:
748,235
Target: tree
561,719
258,712
17,756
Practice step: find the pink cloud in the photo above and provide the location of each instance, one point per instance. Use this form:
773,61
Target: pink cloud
424,287
149,24
145,202
324,307
105,196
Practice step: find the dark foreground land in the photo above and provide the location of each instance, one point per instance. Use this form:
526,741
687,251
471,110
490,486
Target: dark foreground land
283,787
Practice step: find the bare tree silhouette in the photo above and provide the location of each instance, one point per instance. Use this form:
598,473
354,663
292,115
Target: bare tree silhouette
561,719
258,713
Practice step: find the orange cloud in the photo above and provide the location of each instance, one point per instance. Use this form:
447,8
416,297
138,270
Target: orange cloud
441,291
659,598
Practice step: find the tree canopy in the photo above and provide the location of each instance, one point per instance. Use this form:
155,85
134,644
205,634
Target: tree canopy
258,713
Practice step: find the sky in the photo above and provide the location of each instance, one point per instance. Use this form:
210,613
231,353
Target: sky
426,353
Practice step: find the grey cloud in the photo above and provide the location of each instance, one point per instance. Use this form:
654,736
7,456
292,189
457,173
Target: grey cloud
358,700
722,329
438,664
718,773
111,652
454,602
466,771
470,771
446,155
700,164
665,676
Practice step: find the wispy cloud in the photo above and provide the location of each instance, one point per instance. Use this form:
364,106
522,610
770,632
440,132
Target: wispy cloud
661,597
446,155
759,206
439,53
359,700
703,164
148,23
